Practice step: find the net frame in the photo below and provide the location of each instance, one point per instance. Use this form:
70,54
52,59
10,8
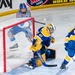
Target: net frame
4,38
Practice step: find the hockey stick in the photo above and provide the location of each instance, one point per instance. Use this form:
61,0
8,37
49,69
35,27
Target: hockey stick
43,62
43,23
52,65
40,22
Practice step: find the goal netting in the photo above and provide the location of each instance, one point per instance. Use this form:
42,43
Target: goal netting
12,58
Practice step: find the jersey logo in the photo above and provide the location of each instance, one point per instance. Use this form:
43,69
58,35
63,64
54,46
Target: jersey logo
36,2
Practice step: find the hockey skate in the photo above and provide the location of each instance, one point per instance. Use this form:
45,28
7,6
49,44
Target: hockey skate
29,65
14,46
63,66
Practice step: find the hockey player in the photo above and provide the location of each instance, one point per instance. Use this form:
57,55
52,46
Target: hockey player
24,11
40,45
69,47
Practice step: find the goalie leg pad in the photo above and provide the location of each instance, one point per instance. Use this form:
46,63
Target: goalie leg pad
38,61
52,54
33,62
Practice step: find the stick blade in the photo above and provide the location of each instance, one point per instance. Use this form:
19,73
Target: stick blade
55,65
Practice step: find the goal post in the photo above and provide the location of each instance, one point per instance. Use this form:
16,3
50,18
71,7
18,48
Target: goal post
5,26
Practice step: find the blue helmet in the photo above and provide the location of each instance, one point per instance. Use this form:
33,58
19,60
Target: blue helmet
22,5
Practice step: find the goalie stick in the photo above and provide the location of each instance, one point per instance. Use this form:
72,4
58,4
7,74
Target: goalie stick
29,65
52,65
43,62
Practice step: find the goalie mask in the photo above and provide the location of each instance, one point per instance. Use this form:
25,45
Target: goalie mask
51,28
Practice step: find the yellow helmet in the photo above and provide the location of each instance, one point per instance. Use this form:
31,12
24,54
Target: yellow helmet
51,28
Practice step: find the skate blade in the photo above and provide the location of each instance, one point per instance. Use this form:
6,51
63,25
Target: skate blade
30,67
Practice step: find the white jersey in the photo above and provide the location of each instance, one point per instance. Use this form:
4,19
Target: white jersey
26,24
19,14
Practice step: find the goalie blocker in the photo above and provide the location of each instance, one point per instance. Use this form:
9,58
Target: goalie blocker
52,54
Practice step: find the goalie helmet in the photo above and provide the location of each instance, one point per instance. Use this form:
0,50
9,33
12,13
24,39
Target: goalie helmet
51,28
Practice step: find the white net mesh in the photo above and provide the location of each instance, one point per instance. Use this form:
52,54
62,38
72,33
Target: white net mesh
22,54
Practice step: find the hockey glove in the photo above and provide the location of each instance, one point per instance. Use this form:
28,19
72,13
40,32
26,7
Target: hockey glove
66,44
52,40
36,44
35,48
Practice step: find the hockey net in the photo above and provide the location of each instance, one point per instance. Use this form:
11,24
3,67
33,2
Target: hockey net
10,59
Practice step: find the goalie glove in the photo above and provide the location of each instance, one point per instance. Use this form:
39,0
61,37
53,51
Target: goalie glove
35,48
52,40
36,44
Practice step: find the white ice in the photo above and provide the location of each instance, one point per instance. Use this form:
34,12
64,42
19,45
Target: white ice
64,19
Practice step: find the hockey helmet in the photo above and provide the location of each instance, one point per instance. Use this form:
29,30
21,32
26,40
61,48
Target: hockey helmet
51,28
22,5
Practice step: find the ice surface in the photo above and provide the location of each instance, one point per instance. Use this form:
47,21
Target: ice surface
64,19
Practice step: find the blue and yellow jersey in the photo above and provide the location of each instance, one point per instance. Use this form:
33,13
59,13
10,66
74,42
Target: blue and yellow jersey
71,35
42,38
45,36
70,39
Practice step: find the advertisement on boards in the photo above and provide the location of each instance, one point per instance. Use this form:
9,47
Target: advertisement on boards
5,3
36,2
45,2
